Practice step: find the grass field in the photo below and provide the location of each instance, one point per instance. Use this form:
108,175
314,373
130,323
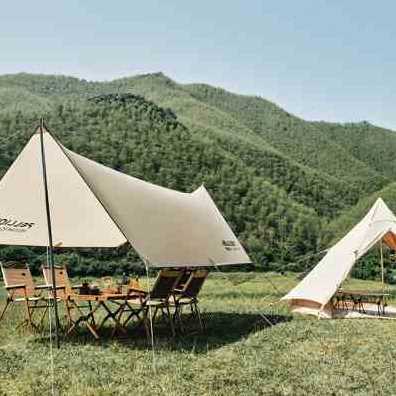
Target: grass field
240,354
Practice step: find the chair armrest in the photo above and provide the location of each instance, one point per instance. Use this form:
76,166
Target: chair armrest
20,286
49,287
131,289
76,286
39,287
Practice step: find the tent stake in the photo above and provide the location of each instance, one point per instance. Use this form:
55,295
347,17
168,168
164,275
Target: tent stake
50,243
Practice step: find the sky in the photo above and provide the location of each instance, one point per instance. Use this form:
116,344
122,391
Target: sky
331,60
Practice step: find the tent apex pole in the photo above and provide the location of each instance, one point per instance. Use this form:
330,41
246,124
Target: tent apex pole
49,226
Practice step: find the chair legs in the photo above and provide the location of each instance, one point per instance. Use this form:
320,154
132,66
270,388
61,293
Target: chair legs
165,312
177,316
143,317
30,308
147,325
8,303
197,313
194,312
28,321
169,318
29,314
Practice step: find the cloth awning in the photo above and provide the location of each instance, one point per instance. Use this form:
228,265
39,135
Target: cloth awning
94,206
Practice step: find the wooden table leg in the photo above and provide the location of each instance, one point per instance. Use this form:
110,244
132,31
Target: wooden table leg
85,318
112,315
133,312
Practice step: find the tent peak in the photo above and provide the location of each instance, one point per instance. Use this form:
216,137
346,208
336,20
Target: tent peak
380,201
39,128
42,127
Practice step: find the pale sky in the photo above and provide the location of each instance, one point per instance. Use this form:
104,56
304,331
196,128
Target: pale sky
331,60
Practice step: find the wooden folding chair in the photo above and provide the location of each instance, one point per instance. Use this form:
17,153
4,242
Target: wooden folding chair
20,287
157,299
64,288
188,296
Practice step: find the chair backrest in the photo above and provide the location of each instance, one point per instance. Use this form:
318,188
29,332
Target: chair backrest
184,278
61,279
195,283
15,273
165,283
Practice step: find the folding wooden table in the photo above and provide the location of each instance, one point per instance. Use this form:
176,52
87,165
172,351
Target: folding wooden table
104,301
359,297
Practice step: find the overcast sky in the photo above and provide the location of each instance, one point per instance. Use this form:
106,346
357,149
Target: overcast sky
322,60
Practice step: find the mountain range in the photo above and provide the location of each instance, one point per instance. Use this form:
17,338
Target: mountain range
288,187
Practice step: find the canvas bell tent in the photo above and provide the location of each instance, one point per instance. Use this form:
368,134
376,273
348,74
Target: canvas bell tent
314,293
51,196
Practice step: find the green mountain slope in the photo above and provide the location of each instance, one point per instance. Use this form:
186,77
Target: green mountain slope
136,136
303,141
371,145
303,184
278,179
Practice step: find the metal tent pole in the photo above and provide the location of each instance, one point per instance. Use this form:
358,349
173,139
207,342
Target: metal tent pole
51,247
146,264
382,266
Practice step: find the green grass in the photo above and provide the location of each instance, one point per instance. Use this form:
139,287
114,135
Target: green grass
239,354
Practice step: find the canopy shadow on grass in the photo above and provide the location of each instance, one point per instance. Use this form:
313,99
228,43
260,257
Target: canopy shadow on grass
221,328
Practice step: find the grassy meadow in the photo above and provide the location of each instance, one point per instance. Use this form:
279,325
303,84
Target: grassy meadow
240,353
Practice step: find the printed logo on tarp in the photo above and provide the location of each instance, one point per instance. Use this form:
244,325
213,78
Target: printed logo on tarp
230,245
11,225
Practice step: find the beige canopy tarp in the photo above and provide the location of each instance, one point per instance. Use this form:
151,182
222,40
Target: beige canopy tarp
94,206
314,292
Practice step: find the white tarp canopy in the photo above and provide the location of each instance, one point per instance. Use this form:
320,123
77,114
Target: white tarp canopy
314,292
94,206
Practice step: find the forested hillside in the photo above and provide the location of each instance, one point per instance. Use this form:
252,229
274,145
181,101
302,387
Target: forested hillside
309,143
280,181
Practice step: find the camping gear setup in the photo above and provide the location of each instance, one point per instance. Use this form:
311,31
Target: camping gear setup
51,196
313,295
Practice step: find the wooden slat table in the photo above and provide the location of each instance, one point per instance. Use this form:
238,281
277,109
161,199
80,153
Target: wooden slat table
360,297
105,301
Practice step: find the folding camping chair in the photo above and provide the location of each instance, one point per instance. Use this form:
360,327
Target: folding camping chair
188,296
64,288
20,287
157,299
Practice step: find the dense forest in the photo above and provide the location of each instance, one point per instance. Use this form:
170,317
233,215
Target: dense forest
286,186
